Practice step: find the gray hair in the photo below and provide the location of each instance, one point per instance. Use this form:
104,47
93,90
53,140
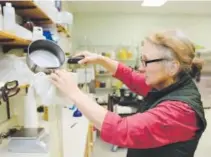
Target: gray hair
166,53
174,45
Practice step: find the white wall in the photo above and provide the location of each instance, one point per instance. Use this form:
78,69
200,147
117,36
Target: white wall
115,29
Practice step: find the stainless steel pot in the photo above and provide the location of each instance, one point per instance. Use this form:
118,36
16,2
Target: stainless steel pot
38,50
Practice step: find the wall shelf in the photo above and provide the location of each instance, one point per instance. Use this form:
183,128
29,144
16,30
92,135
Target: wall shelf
105,88
7,38
29,9
104,75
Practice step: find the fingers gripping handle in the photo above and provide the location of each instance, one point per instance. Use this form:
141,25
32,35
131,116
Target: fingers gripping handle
75,60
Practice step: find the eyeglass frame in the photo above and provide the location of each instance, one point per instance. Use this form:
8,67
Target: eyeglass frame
145,62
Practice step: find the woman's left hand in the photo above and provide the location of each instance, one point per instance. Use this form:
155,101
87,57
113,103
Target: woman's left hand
65,83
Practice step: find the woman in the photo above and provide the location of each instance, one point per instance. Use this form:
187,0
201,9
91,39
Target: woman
171,121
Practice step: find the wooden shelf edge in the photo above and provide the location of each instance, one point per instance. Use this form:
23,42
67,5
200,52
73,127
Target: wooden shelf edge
44,14
24,9
7,38
29,9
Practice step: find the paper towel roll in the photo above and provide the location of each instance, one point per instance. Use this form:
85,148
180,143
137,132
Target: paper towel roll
30,110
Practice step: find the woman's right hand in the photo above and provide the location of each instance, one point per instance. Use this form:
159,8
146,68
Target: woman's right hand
89,58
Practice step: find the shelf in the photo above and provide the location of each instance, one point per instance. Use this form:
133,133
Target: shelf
110,46
106,88
103,75
29,9
7,38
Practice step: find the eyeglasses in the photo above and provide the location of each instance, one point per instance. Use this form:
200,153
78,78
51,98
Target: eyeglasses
145,62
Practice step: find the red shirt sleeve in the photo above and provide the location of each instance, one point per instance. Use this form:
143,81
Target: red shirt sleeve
169,122
134,80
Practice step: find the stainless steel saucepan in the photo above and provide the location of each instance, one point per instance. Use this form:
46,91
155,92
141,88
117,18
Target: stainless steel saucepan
44,56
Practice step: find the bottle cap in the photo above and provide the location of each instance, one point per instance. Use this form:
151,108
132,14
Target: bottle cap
8,4
77,113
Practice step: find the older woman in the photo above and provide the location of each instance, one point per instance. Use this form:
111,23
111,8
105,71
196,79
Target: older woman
171,121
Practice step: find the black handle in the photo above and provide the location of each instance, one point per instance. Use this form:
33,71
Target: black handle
75,60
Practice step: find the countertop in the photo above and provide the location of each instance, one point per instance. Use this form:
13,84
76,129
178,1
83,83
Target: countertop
74,141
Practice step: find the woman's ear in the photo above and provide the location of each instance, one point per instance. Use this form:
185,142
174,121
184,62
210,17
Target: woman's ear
174,68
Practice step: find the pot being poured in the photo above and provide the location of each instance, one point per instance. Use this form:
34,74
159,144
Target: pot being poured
44,56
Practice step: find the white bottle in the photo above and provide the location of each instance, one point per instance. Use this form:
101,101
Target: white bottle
1,18
37,33
9,18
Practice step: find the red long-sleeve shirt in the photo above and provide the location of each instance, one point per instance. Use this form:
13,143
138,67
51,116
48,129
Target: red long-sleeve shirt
169,122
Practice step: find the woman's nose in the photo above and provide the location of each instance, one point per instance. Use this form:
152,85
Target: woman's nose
141,69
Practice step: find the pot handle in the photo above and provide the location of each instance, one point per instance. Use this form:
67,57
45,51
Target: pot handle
75,60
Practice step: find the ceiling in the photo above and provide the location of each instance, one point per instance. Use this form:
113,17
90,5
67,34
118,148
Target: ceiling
198,7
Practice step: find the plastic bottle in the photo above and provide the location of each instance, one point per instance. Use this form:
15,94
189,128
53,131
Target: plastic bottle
9,17
1,18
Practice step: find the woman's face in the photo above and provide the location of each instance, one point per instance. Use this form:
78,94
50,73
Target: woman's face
156,75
